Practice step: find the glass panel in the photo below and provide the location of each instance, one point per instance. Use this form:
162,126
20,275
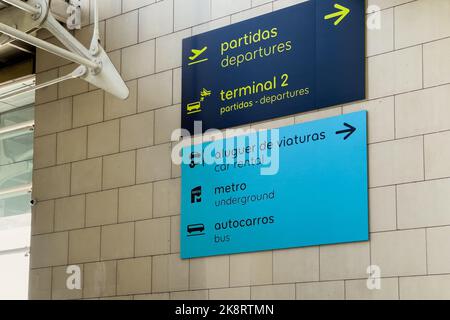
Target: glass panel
15,206
16,170
16,146
16,116
16,174
16,149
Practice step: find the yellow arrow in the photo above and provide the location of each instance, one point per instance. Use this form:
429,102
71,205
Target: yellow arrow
341,14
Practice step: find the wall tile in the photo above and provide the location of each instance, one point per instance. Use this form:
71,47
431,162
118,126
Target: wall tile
156,20
222,8
251,13
399,253
422,112
210,272
437,156
251,269
40,284
189,295
134,276
51,250
383,209
381,40
325,290
430,22
116,108
103,138
119,170
44,151
425,288
138,60
84,245
170,273
275,292
137,131
357,290
43,217
423,204
296,265
436,57
50,183
211,25
71,145
153,163
99,279
101,208
397,161
188,13
50,93
396,72
135,4
88,108
59,285
122,31
152,237
154,296
117,241
70,87
155,91
86,176
167,196
380,118
136,202
106,9
438,250
70,213
167,120
175,234
53,117
242,293
168,50
344,261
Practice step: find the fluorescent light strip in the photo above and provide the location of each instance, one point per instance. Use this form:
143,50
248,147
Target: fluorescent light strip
16,130
16,191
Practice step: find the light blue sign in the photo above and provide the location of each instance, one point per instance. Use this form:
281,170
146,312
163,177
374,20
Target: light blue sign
301,185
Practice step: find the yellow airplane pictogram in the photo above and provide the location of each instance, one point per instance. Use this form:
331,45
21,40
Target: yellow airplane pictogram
197,53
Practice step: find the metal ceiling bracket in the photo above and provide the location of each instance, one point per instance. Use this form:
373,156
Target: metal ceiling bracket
101,71
74,11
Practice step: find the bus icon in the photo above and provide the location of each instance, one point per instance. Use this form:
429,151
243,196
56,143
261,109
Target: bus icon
196,230
194,107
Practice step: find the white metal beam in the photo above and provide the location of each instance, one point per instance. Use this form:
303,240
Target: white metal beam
15,191
23,6
77,73
44,45
16,130
99,70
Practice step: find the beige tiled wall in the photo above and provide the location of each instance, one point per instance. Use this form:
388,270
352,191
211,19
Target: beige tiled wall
109,196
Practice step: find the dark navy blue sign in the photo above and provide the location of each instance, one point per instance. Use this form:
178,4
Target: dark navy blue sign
305,57
317,193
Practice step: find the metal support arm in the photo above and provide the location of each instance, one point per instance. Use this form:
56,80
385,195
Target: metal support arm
99,70
44,45
23,6
77,73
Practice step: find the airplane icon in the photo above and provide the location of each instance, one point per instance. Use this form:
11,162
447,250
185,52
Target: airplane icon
197,53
